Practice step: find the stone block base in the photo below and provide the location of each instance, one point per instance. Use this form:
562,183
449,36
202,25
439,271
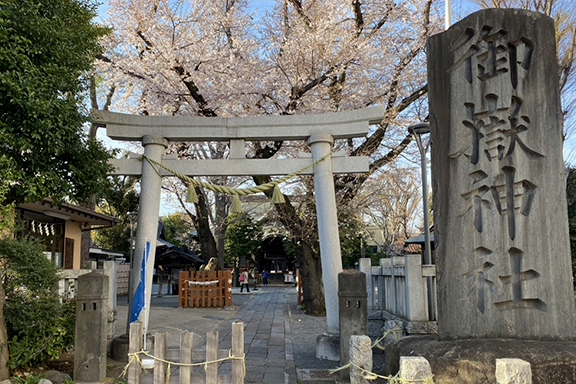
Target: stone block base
328,347
377,318
474,361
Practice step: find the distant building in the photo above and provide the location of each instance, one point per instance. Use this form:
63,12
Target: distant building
60,227
420,241
97,253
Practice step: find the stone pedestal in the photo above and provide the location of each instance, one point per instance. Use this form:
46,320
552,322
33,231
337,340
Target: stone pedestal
352,309
91,328
474,361
328,347
119,348
500,216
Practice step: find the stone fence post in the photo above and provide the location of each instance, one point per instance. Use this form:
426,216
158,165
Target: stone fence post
360,358
365,265
415,369
353,311
111,270
415,289
513,371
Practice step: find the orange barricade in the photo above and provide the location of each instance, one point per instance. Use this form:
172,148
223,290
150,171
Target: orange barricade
205,289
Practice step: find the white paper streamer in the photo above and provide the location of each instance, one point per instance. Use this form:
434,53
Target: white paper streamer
190,283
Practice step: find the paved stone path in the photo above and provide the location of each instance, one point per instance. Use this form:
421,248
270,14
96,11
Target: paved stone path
272,323
267,337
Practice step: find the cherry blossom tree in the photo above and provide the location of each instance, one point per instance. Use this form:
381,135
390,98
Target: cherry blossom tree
220,58
390,203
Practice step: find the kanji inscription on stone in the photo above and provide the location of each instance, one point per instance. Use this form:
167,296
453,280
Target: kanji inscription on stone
497,175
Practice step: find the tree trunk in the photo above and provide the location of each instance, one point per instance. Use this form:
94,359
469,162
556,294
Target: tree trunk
220,225
311,274
308,259
4,371
207,242
85,244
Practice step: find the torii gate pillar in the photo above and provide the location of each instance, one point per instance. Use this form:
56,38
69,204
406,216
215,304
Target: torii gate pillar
148,211
320,146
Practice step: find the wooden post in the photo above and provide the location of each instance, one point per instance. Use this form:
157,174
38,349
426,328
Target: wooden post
181,289
134,346
186,343
228,287
200,290
160,353
211,290
237,351
212,355
299,287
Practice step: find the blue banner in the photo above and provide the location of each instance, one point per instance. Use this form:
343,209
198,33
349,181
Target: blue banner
139,295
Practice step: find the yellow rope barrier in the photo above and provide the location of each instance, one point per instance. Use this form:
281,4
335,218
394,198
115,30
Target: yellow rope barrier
135,357
394,333
233,191
396,379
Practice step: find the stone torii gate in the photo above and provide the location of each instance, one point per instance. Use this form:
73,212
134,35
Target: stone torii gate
319,131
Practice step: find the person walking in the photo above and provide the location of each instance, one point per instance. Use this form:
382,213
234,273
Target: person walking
265,275
244,281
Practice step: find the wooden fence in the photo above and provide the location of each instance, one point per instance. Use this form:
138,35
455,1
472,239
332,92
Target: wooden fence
122,279
191,367
205,289
402,286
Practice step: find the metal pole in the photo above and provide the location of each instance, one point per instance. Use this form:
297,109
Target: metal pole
417,130
424,166
447,13
131,271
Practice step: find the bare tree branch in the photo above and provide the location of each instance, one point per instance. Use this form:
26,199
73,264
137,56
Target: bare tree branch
371,144
298,6
195,92
358,18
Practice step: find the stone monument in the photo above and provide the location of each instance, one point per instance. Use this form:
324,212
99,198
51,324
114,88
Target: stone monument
501,227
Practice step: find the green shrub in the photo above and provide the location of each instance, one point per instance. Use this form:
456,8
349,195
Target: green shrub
39,329
39,326
30,379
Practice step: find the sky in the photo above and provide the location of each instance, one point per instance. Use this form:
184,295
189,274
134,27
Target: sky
459,7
